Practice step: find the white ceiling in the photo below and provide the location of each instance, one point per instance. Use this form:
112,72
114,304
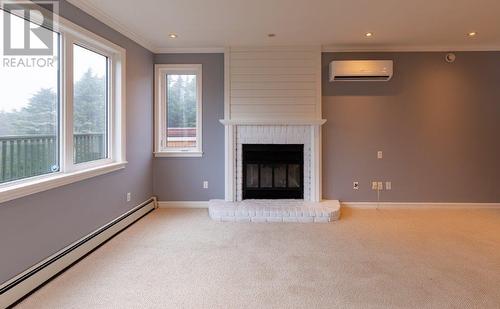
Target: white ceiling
333,24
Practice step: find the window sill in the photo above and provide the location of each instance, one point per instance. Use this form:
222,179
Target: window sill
182,154
28,187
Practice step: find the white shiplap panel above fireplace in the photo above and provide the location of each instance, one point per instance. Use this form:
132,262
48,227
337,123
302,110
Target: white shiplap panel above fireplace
273,83
271,93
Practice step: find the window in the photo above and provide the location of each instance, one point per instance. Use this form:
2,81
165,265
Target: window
29,114
90,105
178,110
61,115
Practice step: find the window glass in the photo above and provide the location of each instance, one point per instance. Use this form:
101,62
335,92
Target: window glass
29,109
90,111
181,111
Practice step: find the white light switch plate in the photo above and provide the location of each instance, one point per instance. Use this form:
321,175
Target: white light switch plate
380,154
388,185
205,184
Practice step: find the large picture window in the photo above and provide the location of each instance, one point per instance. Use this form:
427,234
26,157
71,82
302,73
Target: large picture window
62,116
178,110
29,113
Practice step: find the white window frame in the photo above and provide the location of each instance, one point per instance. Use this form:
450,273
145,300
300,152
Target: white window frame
69,172
161,72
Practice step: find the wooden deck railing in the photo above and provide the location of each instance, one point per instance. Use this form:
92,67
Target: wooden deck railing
34,155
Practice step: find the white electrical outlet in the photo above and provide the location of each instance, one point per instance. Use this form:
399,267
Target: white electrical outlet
380,154
380,186
355,185
388,185
374,185
205,184
129,196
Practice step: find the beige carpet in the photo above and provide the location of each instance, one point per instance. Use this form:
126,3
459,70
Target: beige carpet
369,259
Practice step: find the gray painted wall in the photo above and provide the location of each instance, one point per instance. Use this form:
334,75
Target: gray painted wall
181,179
437,124
34,227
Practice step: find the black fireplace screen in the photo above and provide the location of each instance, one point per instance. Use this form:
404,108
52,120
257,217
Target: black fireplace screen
273,171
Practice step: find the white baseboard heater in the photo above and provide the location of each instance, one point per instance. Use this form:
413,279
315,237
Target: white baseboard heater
15,289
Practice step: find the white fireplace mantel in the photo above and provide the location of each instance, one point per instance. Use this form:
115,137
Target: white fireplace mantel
275,122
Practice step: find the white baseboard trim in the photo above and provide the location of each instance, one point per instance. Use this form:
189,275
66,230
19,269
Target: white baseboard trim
183,204
359,205
19,286
401,205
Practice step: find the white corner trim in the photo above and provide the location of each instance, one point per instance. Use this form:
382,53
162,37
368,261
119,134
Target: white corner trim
420,205
69,255
183,204
189,50
113,23
47,182
227,83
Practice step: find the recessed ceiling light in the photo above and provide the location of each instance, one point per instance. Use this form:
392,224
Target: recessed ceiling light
369,34
472,34
271,35
172,35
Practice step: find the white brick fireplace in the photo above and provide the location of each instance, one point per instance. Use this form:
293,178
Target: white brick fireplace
273,96
272,134
241,133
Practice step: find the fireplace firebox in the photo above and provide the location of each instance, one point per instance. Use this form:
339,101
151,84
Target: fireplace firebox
273,171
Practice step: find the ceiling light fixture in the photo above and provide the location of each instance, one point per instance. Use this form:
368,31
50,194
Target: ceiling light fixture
172,35
472,34
368,34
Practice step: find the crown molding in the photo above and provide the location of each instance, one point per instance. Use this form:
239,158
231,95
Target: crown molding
327,49
188,50
112,22
415,48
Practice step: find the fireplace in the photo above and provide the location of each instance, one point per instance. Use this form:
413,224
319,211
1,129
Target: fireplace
305,135
273,171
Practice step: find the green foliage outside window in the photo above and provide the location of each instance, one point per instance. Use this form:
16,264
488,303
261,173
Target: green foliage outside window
39,117
181,95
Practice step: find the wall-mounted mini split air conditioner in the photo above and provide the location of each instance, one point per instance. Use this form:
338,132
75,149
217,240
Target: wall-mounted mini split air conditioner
361,70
